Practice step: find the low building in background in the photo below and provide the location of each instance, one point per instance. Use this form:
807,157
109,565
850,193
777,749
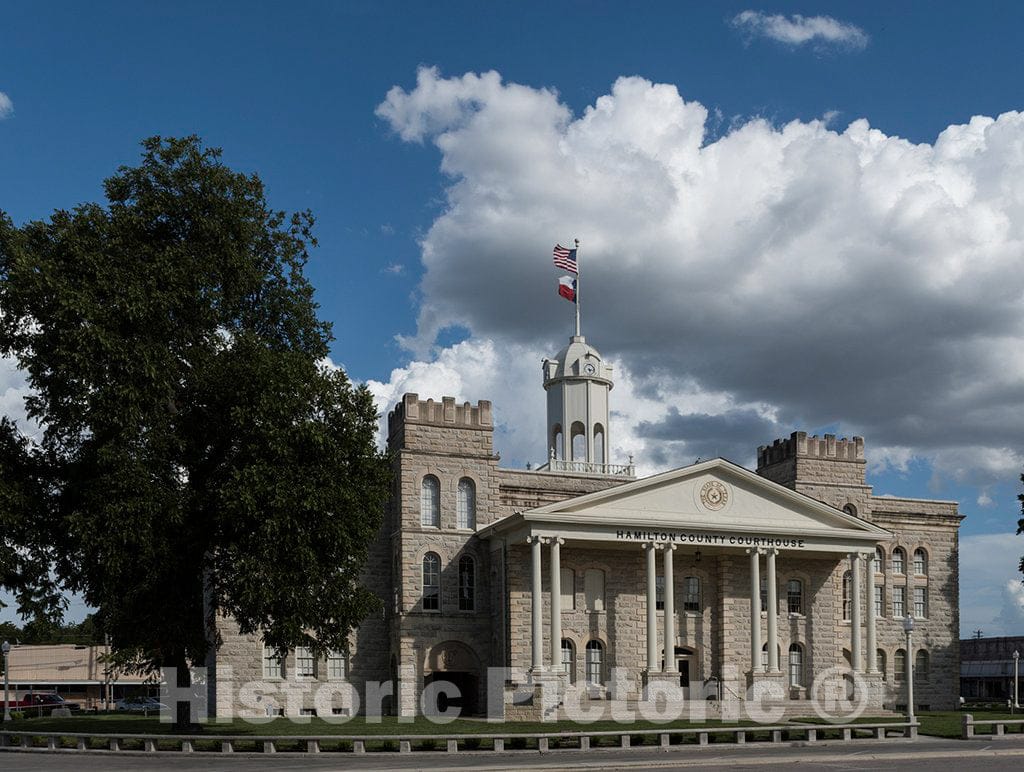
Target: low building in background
76,672
987,668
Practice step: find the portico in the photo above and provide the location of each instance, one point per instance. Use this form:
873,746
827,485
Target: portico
732,529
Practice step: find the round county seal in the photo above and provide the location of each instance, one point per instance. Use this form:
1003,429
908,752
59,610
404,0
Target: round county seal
714,495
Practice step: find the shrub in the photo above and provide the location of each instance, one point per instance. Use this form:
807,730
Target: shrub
471,743
429,744
517,743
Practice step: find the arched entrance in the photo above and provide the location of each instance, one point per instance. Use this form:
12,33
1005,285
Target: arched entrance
454,662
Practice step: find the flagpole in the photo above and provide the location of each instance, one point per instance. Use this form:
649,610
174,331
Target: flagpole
577,287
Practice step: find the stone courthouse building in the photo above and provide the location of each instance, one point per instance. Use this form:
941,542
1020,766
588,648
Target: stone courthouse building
722,580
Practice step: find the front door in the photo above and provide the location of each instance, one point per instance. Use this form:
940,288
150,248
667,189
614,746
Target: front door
683,665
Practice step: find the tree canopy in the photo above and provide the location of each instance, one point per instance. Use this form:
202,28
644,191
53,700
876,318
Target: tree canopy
196,451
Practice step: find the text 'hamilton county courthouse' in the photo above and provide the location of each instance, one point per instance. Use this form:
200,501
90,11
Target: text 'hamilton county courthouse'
574,568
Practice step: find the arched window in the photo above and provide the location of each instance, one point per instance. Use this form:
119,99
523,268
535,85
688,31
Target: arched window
593,586
465,505
850,509
568,580
899,665
599,444
899,561
880,661
921,662
431,582
467,583
595,663
796,664
569,659
795,596
691,593
579,442
556,442
920,562
879,565
430,502
847,579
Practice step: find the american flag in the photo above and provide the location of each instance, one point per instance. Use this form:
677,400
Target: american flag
565,258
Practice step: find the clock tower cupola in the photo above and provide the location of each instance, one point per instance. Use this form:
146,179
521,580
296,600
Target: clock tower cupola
577,382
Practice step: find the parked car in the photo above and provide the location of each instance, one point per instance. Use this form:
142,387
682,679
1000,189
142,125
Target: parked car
42,704
139,705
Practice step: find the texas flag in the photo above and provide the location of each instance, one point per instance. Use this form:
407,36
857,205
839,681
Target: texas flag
567,288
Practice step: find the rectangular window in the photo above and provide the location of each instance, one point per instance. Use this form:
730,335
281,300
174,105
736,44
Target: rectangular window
336,665
691,593
305,663
568,578
879,600
899,602
659,593
764,594
273,664
920,602
593,584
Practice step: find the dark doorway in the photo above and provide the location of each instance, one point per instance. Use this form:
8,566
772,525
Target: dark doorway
467,685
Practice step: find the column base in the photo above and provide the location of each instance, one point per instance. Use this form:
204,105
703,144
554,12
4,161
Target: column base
873,685
661,685
770,687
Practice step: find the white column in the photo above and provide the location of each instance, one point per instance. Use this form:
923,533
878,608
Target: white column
755,611
773,610
652,613
556,604
537,601
872,643
670,612
855,601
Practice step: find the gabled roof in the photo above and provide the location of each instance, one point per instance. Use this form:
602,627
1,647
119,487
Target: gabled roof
713,496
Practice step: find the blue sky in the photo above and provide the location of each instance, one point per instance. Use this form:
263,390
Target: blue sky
739,185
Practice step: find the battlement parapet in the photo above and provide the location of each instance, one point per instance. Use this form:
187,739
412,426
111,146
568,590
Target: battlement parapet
413,410
799,445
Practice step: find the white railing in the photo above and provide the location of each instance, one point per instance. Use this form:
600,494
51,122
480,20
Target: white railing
542,742
970,725
588,467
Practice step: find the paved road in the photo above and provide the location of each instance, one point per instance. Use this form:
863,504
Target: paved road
925,754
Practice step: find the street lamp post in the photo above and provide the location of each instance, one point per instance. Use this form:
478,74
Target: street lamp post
6,648
908,628
1016,680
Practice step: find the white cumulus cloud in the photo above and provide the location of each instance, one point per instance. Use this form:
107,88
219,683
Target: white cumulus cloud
6,106
797,30
778,277
991,593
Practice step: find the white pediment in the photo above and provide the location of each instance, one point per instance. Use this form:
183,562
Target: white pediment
713,496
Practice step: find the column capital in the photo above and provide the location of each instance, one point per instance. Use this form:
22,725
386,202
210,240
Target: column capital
854,556
772,551
650,545
533,539
755,550
556,540
668,547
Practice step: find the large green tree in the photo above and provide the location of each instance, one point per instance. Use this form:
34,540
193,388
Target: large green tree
194,452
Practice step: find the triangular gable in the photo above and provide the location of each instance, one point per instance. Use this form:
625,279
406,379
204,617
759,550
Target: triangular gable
715,494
